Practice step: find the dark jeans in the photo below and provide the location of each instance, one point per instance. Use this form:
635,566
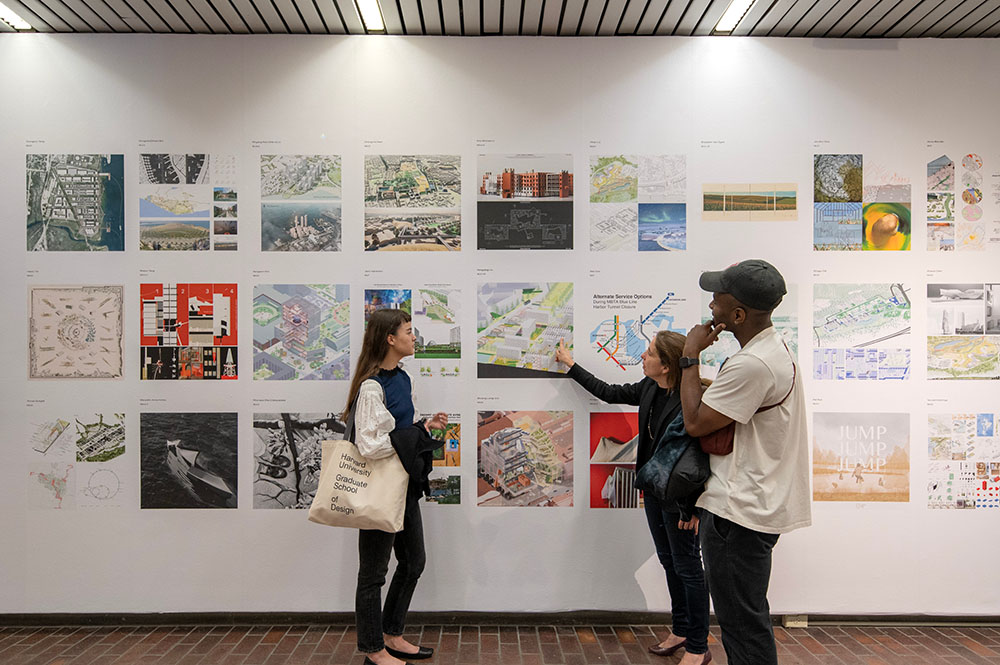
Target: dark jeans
374,548
680,555
738,567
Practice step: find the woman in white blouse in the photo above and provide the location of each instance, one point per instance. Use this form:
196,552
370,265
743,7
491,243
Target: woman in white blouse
382,404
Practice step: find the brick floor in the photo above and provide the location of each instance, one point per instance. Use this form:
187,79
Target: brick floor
479,645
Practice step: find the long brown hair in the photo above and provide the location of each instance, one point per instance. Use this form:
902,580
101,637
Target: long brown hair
669,347
374,348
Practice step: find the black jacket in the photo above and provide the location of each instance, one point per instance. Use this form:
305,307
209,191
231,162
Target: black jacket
637,394
415,448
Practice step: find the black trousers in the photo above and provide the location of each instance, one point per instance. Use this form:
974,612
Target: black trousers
374,548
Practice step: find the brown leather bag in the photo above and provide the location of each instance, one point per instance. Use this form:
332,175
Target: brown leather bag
720,442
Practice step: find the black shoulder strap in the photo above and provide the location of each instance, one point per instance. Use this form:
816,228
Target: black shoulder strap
790,389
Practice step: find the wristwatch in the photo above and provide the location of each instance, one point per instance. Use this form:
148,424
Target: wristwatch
685,362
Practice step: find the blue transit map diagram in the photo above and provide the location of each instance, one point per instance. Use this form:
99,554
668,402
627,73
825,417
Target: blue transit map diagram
622,341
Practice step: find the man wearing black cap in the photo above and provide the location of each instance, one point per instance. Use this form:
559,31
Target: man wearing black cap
761,489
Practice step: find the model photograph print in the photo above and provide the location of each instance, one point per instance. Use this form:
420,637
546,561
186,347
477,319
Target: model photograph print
519,325
75,332
861,331
188,460
525,202
300,227
301,331
861,457
287,451
75,203
614,443
188,331
525,458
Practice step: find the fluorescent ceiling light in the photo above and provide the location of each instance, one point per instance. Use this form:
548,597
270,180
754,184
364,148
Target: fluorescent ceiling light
12,19
371,15
734,14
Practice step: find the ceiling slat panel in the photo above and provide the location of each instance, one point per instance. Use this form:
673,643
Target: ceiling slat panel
314,24
270,15
773,16
630,19
958,15
73,22
248,11
592,17
411,17
328,10
167,13
431,11
108,15
571,17
812,17
792,17
532,16
992,31
987,13
876,26
832,17
914,17
511,16
135,18
757,11
491,17
230,20
189,15
87,13
930,25
390,17
452,17
692,17
612,15
647,22
6,28
711,17
291,17
836,24
470,16
671,17
550,17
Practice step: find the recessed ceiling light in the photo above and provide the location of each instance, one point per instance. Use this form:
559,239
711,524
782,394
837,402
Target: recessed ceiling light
371,15
732,17
13,20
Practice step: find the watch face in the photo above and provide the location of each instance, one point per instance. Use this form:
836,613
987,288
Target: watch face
687,362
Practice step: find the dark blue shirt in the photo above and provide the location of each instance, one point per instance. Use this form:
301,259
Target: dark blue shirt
398,395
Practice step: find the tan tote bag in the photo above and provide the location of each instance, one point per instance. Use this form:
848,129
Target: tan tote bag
357,492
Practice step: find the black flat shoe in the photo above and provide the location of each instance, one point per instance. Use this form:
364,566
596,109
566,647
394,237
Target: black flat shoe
422,653
369,661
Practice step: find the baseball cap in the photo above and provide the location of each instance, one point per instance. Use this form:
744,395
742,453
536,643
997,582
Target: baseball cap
754,282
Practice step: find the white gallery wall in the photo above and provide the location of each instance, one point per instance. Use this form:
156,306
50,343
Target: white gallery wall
738,110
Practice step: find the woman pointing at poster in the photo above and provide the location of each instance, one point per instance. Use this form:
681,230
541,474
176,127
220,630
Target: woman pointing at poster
674,527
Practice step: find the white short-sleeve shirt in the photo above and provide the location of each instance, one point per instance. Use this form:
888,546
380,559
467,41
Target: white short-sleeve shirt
764,483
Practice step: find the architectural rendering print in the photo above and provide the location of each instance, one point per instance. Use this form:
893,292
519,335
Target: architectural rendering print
76,202
525,458
439,336
300,227
519,325
301,331
290,177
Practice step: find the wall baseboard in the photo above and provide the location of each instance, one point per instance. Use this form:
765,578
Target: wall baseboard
572,618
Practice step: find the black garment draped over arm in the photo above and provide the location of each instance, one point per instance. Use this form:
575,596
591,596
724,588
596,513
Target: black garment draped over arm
637,394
